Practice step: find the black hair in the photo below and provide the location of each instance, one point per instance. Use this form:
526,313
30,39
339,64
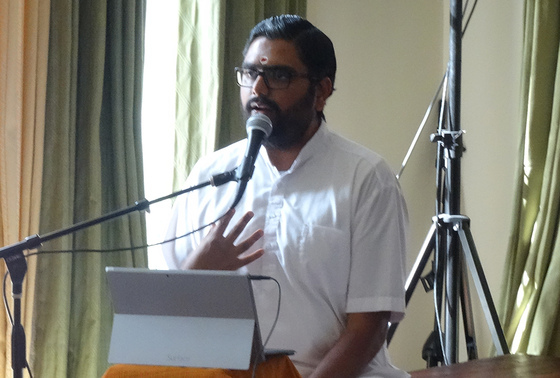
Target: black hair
313,46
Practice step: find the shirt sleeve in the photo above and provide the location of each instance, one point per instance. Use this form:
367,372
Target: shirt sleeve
379,244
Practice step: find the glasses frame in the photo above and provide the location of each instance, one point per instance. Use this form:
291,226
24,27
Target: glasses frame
266,71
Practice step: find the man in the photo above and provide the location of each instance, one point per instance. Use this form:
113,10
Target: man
322,215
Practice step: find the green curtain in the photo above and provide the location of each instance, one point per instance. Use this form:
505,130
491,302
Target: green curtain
92,166
531,290
212,34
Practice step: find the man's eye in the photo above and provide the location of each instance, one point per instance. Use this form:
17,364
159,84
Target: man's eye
283,75
251,73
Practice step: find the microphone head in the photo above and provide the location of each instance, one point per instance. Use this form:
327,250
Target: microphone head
259,121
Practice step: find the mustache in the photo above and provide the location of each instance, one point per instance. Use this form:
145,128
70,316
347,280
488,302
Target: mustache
261,102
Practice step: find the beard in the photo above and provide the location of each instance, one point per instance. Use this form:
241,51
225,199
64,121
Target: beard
288,126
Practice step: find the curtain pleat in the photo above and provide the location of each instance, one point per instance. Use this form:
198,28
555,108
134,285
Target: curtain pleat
92,167
23,66
199,59
212,34
531,295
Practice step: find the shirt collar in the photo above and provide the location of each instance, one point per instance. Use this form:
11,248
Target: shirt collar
311,148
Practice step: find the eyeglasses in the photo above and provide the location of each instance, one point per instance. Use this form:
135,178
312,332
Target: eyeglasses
274,77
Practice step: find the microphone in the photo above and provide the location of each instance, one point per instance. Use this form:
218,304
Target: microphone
258,128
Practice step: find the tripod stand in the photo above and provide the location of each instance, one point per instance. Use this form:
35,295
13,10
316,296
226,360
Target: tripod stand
450,235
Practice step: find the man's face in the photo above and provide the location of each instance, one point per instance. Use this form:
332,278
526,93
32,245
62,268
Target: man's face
291,110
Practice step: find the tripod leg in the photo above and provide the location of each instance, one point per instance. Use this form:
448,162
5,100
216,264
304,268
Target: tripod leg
432,351
420,263
481,285
468,322
416,273
452,294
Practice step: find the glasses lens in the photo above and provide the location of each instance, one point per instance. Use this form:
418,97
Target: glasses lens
274,78
246,77
279,78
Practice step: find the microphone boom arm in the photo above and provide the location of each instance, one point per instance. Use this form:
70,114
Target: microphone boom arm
17,266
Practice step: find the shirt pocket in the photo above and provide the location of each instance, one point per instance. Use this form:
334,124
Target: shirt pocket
324,254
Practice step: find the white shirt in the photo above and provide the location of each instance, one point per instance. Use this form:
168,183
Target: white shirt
334,237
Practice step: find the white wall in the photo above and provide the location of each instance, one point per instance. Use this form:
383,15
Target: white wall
391,56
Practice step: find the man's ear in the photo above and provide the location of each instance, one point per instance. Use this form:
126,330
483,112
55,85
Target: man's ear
324,90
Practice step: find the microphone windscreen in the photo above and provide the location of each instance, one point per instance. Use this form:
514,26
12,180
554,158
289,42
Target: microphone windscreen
259,121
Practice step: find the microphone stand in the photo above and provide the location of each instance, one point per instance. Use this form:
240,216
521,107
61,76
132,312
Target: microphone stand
17,266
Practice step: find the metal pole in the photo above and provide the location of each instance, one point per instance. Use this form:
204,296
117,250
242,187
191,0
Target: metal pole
453,181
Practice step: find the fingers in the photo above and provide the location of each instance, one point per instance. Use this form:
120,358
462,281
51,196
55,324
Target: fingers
248,243
251,257
219,251
239,226
224,222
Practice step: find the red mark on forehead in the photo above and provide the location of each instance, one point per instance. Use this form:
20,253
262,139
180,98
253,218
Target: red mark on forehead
263,60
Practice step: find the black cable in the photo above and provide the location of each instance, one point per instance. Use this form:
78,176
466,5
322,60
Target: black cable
469,17
259,277
5,297
9,312
215,180
122,249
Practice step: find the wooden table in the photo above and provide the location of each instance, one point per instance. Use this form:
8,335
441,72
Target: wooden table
273,367
511,366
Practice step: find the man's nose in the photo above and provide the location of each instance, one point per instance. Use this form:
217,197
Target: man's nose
259,86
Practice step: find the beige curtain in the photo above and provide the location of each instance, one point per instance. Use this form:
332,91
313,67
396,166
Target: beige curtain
23,64
212,34
531,292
